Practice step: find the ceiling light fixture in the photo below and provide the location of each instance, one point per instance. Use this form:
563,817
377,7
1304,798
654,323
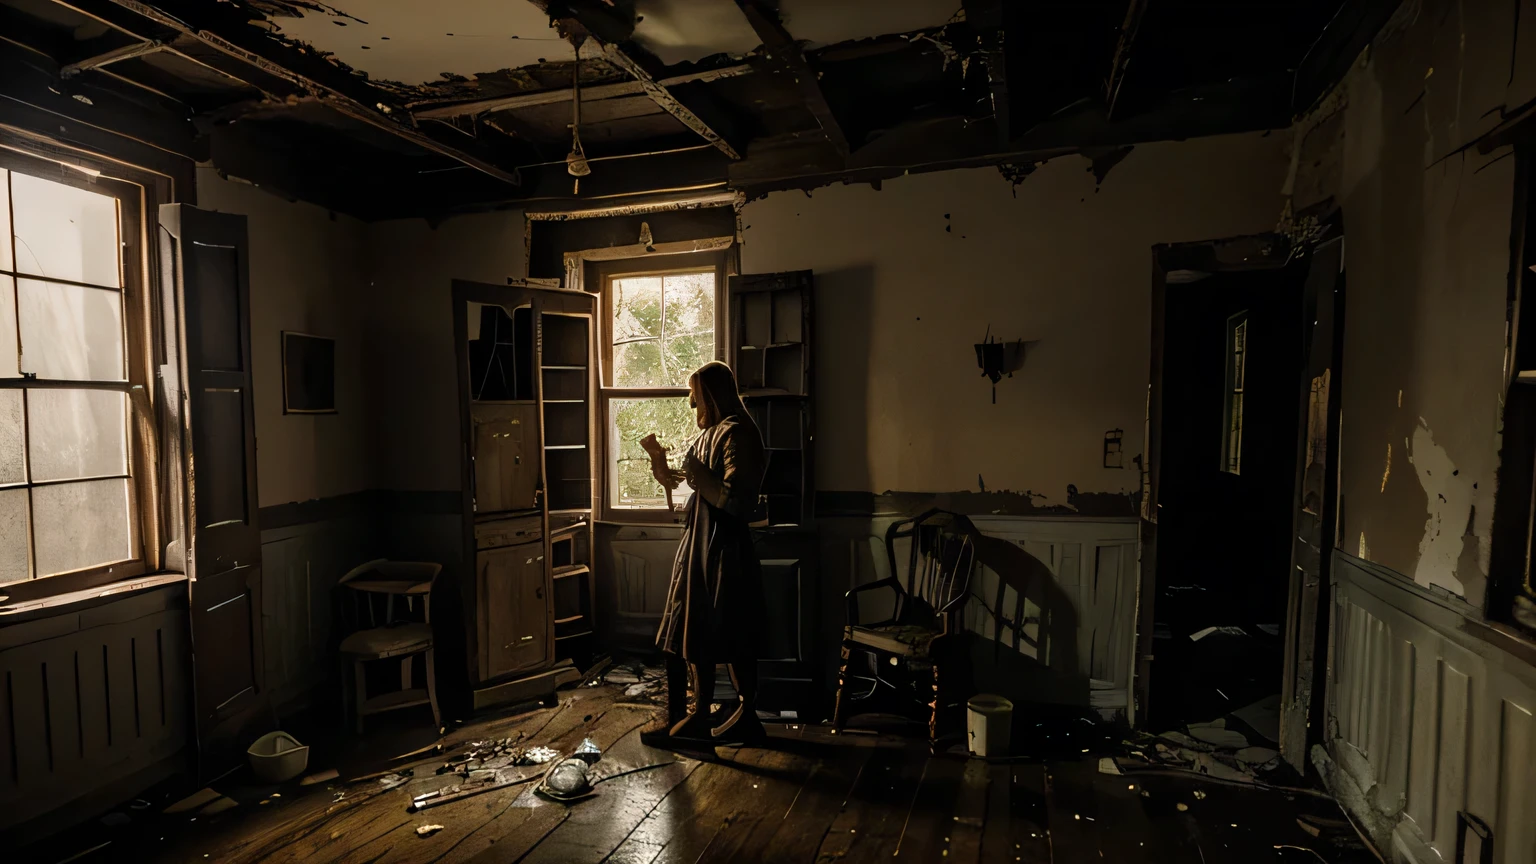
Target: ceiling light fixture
576,161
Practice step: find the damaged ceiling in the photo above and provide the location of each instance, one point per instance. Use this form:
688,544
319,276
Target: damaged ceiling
384,108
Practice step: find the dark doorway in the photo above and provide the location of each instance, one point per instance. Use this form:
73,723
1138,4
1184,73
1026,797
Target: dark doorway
1232,363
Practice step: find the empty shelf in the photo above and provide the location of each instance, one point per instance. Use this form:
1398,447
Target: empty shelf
571,570
573,635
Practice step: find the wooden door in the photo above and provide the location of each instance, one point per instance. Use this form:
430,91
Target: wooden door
1316,510
205,256
515,602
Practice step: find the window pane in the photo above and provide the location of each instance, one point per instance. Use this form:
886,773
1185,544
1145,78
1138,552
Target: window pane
671,420
690,303
663,328
14,552
636,308
71,333
79,525
13,454
8,343
65,233
77,433
638,364
5,221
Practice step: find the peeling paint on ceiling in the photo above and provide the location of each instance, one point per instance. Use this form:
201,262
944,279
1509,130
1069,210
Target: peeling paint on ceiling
682,31
416,42
822,23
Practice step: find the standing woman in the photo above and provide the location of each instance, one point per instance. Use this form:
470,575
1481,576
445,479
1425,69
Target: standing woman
713,612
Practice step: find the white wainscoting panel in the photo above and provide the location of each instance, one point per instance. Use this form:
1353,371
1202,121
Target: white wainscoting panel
1430,714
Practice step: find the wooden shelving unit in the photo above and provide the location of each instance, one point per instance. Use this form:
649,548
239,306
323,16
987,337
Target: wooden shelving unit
771,352
527,395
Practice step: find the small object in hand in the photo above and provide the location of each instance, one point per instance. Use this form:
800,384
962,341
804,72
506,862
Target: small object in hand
428,830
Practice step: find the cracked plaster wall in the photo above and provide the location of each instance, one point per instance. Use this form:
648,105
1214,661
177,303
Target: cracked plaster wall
900,300
1427,227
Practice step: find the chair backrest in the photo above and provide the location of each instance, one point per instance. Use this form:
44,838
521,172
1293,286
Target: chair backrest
941,556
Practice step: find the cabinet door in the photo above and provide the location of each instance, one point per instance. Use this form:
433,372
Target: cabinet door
514,609
506,454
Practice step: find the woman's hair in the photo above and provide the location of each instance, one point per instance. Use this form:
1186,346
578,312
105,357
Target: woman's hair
717,385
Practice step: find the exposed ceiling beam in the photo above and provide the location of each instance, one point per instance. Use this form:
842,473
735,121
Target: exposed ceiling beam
588,94
609,24
208,33
781,46
666,101
1135,10
127,52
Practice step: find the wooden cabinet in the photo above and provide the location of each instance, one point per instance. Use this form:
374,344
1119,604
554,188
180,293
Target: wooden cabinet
505,442
525,393
515,599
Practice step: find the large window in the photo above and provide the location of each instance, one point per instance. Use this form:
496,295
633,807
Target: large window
659,326
67,496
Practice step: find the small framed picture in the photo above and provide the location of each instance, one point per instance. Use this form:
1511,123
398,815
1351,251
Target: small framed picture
309,374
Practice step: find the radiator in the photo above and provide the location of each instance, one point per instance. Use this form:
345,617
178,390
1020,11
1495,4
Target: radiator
89,701
1430,717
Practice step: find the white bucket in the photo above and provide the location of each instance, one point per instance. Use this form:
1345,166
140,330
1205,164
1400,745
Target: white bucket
278,757
989,723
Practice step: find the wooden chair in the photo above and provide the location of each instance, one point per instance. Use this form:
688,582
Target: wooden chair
394,639
927,600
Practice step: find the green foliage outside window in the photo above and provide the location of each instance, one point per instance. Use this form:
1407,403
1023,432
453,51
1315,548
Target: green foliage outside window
663,329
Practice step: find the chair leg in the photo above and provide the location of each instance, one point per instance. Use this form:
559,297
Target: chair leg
359,692
431,660
838,718
405,671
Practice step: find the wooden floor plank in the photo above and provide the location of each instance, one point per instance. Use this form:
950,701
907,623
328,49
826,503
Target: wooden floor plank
870,826
688,821
1015,829
599,825
970,813
1072,811
468,825
826,791
777,778
930,823
1125,829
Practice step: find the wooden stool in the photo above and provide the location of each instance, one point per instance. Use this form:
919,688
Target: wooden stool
394,640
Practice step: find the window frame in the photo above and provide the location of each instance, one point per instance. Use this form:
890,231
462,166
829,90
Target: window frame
598,278
1234,394
138,193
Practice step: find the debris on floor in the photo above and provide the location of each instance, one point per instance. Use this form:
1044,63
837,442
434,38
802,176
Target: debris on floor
428,830
391,780
641,683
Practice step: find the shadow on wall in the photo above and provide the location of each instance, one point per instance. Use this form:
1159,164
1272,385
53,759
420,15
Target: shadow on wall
1028,653
842,376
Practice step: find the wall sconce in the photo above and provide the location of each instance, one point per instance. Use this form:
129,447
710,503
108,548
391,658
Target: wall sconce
997,358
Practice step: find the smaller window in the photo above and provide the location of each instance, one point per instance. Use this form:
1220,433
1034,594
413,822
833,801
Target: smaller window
1237,361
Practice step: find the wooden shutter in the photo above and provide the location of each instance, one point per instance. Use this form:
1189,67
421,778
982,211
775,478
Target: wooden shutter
207,267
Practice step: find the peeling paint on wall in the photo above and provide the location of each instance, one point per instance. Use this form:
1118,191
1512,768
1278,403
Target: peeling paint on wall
1450,511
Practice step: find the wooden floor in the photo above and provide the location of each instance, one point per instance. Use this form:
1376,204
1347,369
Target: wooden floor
810,797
